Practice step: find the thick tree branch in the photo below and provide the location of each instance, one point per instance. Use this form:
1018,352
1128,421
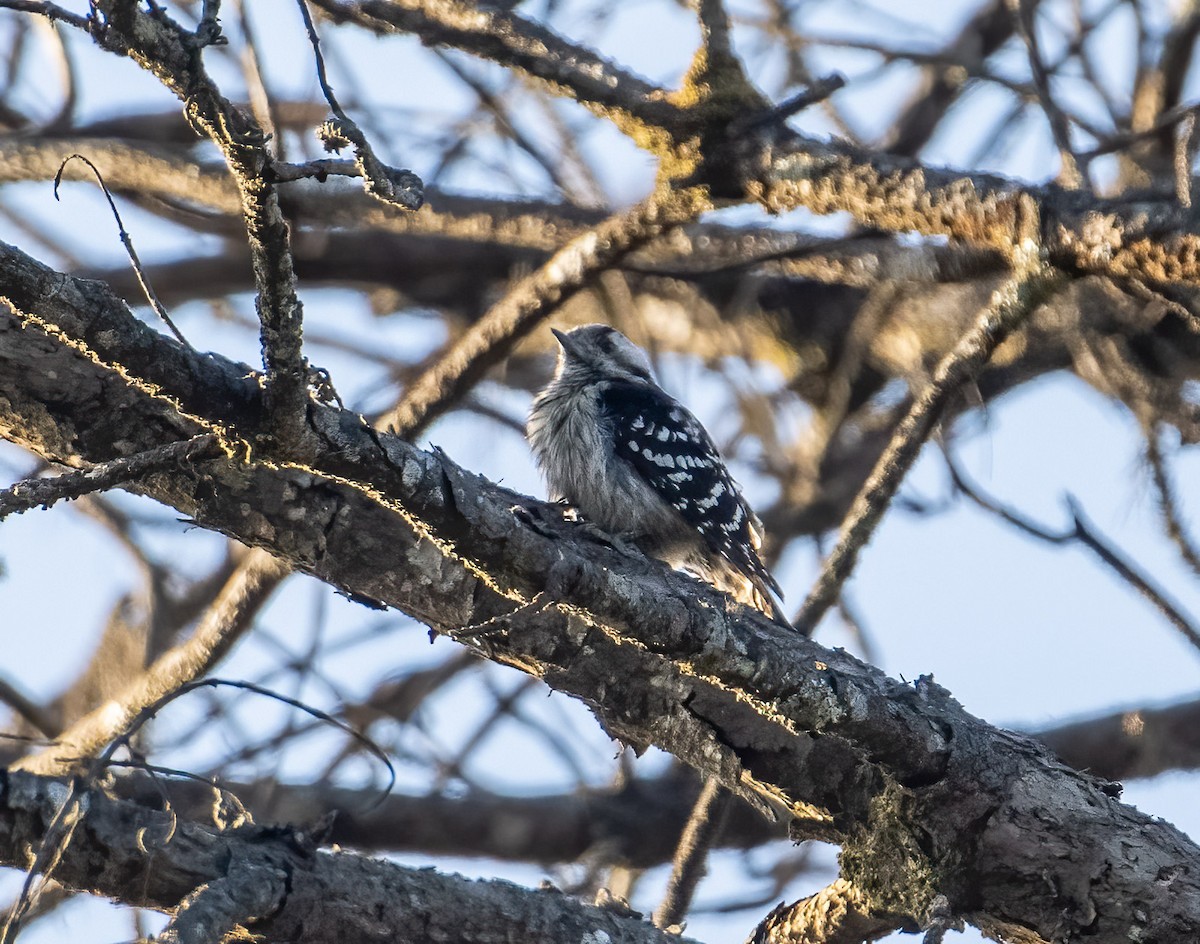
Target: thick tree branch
145,857
637,825
1137,742
927,801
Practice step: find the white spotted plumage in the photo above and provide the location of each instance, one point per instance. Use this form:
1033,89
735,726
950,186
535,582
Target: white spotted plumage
636,463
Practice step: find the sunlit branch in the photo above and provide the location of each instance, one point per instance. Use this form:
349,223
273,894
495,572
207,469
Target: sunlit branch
1008,307
44,492
533,300
230,616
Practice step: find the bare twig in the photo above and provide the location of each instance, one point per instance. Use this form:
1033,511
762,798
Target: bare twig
1122,140
44,492
52,11
1023,11
1085,533
495,106
942,84
261,100
1031,284
401,188
1167,503
163,47
818,92
127,242
518,42
708,816
67,69
28,709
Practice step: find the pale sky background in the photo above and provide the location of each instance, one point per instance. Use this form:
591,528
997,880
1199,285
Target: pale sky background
1023,634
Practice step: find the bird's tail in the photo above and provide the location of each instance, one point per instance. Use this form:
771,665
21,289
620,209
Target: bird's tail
766,602
752,590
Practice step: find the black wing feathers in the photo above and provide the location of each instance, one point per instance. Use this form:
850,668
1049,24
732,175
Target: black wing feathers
673,453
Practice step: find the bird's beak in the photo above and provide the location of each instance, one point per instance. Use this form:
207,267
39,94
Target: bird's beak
563,339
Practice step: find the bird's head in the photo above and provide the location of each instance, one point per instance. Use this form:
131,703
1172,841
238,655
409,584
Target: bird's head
599,349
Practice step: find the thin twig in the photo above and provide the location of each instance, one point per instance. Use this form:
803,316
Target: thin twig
318,168
523,44
262,102
44,492
1023,12
493,104
52,11
400,188
705,821
127,242
65,116
1167,503
817,92
1031,284
27,708
533,300
1084,532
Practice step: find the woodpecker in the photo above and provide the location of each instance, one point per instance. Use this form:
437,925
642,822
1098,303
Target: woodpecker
636,464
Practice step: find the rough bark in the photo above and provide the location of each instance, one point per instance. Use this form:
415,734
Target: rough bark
926,800
274,882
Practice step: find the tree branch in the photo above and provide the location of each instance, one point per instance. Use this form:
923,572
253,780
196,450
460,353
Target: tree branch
1136,742
143,857
231,614
636,826
926,800
1011,304
1146,236
568,68
705,821
160,46
32,492
530,302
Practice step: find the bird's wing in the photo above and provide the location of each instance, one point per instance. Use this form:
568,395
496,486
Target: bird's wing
675,456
